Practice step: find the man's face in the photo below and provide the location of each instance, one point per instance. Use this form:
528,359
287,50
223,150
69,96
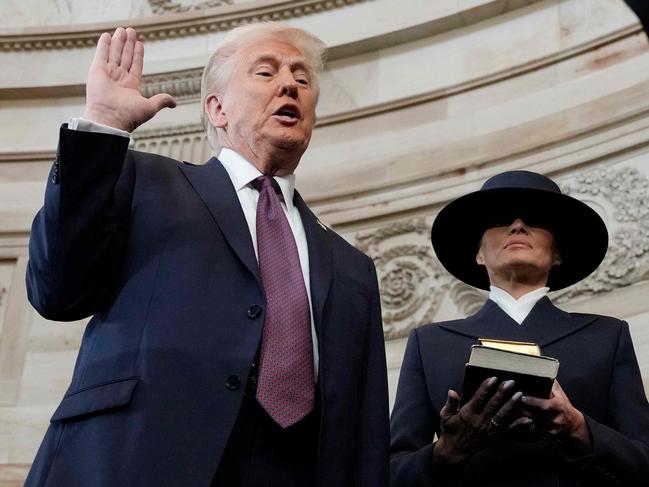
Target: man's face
517,250
268,104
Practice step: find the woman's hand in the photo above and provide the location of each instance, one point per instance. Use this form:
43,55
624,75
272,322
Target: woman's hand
468,429
557,417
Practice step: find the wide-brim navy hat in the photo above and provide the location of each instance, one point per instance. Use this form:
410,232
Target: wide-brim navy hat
579,232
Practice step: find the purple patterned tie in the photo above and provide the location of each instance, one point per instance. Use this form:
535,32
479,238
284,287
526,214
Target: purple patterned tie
285,386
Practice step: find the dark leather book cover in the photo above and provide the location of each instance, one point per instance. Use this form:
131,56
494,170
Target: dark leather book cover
530,385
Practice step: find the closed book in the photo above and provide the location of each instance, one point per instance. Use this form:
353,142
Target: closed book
529,348
533,374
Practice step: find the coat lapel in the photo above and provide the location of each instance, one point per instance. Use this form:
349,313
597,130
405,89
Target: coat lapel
214,187
320,259
489,322
544,325
547,324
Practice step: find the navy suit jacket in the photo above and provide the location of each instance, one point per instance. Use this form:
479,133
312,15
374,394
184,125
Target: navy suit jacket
598,372
160,253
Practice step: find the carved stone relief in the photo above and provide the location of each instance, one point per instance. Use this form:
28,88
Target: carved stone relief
624,192
185,85
411,280
413,283
185,142
467,299
170,6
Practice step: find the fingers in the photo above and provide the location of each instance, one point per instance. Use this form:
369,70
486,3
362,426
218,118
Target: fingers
450,408
138,59
522,425
537,403
452,405
482,395
103,47
498,399
504,412
162,100
129,49
117,46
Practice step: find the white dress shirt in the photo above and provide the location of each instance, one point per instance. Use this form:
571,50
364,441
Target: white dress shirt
241,173
517,309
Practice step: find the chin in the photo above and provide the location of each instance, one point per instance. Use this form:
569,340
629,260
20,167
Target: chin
289,142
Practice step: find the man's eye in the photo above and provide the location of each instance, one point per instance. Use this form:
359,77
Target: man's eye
303,82
264,73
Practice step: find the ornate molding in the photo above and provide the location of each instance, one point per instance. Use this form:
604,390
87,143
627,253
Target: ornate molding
161,7
624,192
184,85
183,24
158,133
413,283
184,142
411,280
467,299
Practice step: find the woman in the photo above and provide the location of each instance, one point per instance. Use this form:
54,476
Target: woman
520,237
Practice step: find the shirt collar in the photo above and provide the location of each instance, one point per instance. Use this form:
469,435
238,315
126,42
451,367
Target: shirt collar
242,172
517,309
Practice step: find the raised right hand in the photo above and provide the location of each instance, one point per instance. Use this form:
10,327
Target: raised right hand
467,430
113,94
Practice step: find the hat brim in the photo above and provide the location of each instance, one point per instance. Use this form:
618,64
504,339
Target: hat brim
579,232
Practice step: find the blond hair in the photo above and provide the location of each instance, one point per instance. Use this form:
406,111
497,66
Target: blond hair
219,67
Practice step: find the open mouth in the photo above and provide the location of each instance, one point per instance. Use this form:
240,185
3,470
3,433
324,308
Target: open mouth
288,113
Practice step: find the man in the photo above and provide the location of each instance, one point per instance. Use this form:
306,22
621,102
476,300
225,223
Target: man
235,341
520,237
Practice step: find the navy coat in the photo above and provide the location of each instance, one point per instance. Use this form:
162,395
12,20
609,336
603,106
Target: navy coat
598,372
160,253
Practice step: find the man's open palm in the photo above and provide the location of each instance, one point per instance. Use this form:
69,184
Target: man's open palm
113,94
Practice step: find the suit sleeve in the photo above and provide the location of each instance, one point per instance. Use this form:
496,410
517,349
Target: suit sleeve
413,425
374,428
621,446
78,237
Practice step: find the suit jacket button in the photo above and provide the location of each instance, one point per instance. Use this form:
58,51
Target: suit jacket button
254,311
56,171
233,382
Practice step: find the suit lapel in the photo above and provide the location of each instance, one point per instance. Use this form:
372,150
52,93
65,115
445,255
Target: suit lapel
489,322
544,325
547,324
319,243
214,187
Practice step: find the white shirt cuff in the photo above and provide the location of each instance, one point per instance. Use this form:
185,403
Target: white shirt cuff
83,125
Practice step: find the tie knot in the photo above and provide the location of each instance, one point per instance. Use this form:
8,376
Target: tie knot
263,182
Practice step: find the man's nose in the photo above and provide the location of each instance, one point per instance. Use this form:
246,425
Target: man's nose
288,85
518,226
289,88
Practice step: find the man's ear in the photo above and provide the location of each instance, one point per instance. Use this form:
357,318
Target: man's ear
215,113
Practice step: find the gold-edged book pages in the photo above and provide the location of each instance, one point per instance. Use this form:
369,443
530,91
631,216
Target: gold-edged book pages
528,348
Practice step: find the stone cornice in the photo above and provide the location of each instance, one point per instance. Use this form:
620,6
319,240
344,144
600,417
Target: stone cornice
27,156
613,139
217,19
185,84
193,129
